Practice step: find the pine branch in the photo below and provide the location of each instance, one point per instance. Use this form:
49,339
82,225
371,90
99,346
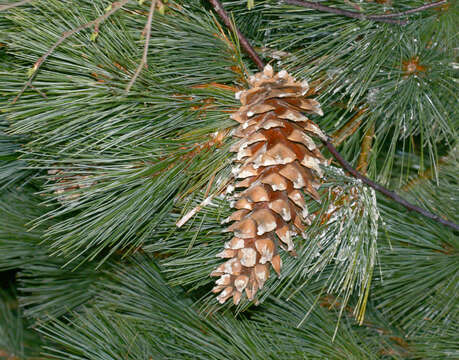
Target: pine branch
386,18
218,7
114,8
13,5
124,142
328,142
143,62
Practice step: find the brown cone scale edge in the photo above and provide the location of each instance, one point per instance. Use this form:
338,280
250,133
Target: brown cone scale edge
277,162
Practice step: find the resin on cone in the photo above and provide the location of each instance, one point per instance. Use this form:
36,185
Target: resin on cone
277,163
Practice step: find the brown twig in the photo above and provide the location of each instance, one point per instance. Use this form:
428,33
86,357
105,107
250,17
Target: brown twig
386,18
327,142
412,11
147,30
384,191
239,66
114,8
347,13
218,7
367,141
13,5
42,94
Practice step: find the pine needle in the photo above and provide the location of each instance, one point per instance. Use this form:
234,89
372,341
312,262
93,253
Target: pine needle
13,5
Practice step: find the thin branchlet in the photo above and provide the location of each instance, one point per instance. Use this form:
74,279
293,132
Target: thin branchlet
385,18
328,142
390,194
114,8
143,62
411,11
218,7
347,13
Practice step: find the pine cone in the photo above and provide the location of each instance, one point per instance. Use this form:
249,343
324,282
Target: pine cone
277,160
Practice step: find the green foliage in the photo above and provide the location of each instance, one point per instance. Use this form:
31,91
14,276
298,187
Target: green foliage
43,299
12,170
18,244
17,341
21,248
94,180
426,250
123,140
165,322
